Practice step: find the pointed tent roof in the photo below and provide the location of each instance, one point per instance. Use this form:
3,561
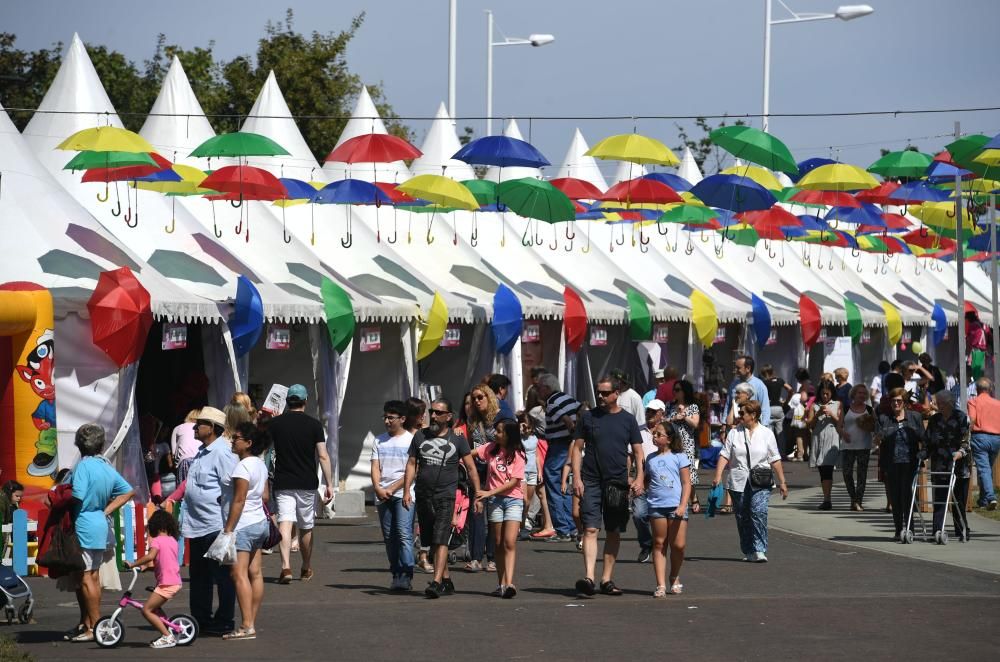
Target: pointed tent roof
439,145
271,117
60,246
627,170
495,174
188,256
365,119
177,136
577,164
688,169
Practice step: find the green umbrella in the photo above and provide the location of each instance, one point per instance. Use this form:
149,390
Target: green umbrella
689,215
484,190
902,164
533,198
88,160
339,313
741,234
639,322
756,146
965,149
854,325
239,143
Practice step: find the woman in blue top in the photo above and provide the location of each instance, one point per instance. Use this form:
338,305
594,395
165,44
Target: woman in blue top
668,489
98,491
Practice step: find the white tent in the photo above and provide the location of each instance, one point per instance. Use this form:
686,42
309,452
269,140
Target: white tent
688,169
626,170
365,119
577,164
497,174
438,147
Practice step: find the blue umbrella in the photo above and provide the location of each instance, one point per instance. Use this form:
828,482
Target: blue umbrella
507,319
247,321
761,320
298,189
918,192
994,143
733,192
940,324
866,214
810,222
351,192
811,164
675,182
939,171
501,151
165,175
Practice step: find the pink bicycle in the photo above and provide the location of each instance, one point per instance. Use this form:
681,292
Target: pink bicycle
110,631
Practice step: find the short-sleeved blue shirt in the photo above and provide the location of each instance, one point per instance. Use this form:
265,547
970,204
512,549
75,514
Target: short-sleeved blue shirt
664,473
95,483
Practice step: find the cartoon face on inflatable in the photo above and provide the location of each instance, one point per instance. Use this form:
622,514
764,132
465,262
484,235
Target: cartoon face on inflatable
38,371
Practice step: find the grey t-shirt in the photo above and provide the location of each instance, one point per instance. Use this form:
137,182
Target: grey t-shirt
437,462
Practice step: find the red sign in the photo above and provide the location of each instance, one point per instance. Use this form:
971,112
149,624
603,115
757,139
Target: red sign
175,336
531,332
661,333
279,336
371,339
598,336
452,336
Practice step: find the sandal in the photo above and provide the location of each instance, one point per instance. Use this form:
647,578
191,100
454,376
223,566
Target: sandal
85,635
473,566
726,510
696,506
240,633
491,566
69,634
677,589
660,592
609,588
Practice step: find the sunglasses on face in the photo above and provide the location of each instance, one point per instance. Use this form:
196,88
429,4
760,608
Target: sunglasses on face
604,394
208,423
439,412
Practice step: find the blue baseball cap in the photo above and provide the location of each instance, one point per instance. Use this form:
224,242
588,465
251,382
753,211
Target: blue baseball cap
297,392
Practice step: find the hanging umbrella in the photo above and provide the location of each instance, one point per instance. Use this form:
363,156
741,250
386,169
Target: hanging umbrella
508,319
810,320
704,318
893,321
641,191
105,139
896,221
433,328
501,151
297,192
761,320
775,217
734,193
239,143
189,183
484,190
940,324
120,316
810,222
689,214
639,322
827,198
247,321
125,173
756,146
374,148
246,182
941,172
917,192
942,215
807,166
931,240
89,160
675,182
907,163
634,148
576,189
742,234
834,238
866,214
397,197
440,191
351,192
855,327
534,198
757,174
339,312
879,195
838,177
574,319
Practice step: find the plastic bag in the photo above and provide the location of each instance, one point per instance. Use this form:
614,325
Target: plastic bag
223,549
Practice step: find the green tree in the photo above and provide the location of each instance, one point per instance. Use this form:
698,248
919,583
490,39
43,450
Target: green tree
25,76
706,154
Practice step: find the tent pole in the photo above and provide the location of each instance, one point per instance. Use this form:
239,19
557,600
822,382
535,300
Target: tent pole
963,380
993,281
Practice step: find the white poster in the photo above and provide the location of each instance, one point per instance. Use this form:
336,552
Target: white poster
274,403
837,354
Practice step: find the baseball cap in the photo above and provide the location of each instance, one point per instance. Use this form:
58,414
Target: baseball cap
297,392
656,405
211,414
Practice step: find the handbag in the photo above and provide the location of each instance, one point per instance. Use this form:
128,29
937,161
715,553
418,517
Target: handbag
760,477
614,493
273,532
63,553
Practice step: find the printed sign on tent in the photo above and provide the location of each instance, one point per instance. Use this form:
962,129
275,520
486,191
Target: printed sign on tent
279,336
175,336
661,333
598,336
452,336
907,337
720,335
773,338
866,337
531,332
822,334
371,339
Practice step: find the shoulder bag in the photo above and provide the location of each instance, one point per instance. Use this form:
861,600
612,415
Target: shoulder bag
760,477
614,493
273,532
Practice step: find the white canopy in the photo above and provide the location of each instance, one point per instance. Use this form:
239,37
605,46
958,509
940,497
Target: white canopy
577,164
439,146
365,119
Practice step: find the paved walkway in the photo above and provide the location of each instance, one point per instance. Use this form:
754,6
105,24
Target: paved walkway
873,529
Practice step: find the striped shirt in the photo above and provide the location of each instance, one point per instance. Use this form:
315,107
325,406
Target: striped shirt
556,407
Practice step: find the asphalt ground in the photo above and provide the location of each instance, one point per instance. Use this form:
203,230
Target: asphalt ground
814,600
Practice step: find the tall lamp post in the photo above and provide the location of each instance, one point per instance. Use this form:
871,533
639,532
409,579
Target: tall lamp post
844,13
531,40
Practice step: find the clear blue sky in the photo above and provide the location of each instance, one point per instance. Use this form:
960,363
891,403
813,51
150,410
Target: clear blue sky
628,57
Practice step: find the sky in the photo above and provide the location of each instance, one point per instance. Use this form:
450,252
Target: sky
625,58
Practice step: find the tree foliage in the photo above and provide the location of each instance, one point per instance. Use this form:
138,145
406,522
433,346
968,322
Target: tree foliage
706,153
312,71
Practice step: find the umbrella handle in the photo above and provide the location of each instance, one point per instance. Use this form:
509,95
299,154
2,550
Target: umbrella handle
569,247
570,235
661,230
949,214
347,241
474,240
236,204
173,226
643,248
643,239
689,248
430,239
554,245
770,251
239,226
106,193
117,211
622,242
395,235
855,252
525,239
781,262
128,218
753,256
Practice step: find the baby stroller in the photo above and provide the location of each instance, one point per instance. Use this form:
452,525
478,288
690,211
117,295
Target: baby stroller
459,531
14,588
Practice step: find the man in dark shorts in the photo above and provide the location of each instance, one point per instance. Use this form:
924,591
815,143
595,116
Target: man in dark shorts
600,467
435,454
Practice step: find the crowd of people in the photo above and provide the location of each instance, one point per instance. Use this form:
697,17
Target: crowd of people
481,476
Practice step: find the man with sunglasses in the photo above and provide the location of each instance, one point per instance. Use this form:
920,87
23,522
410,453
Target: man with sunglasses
390,453
434,456
601,481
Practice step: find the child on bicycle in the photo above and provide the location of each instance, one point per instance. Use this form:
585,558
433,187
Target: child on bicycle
163,534
668,489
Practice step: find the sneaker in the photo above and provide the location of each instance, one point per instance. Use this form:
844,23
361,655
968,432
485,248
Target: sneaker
585,586
826,505
286,576
992,505
498,591
759,557
433,590
167,641
509,592
447,586
561,537
405,583
269,550
395,585
644,556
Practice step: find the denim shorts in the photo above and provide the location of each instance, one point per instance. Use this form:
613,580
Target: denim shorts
666,512
531,478
251,538
505,509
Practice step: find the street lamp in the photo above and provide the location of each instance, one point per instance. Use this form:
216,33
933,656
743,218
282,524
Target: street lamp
532,40
844,13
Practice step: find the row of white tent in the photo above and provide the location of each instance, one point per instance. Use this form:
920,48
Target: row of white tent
60,235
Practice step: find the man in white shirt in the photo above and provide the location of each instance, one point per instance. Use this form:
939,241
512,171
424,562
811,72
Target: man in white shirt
629,399
390,453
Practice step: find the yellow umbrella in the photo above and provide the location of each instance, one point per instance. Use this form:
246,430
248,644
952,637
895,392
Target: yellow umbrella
704,318
691,199
190,184
760,175
974,185
633,206
988,157
106,139
433,330
440,190
635,148
837,177
894,322
941,215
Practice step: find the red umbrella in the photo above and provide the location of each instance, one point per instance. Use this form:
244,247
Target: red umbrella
810,320
125,173
395,195
944,156
771,232
576,189
574,319
374,148
764,219
880,195
641,190
928,240
830,198
248,182
896,221
120,317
